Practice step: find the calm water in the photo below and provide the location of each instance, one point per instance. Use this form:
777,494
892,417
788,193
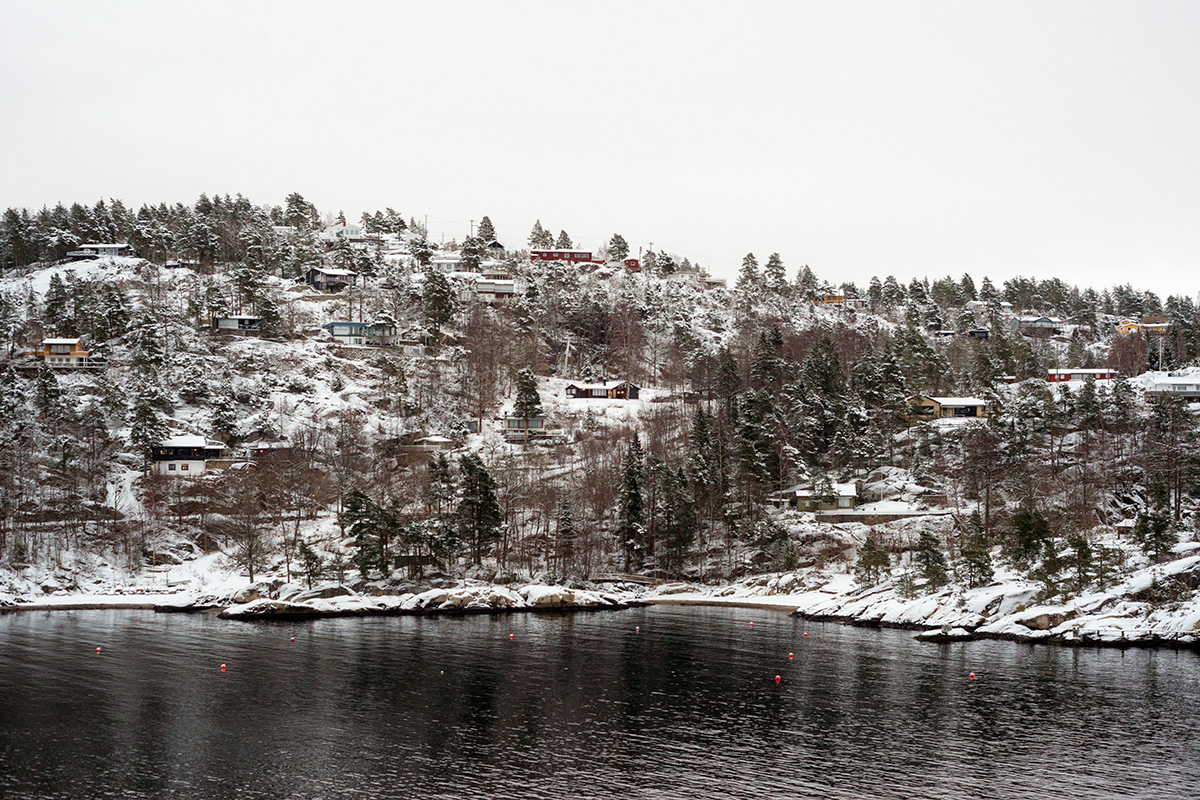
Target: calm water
577,706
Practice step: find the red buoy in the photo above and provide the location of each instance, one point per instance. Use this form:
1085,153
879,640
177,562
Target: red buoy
806,636
293,638
791,656
778,679
637,629
222,668
97,649
512,636
971,676
751,624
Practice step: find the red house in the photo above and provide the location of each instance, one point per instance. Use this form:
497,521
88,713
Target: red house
1064,375
573,256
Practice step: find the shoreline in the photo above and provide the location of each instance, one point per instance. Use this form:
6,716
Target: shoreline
278,611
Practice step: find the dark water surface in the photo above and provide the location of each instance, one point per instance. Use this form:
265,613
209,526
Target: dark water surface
578,706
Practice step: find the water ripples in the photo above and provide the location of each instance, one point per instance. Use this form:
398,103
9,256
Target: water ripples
577,706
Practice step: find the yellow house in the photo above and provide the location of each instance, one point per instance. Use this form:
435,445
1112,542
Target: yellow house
67,354
1128,326
946,407
830,299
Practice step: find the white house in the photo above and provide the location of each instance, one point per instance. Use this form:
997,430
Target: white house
110,249
1185,386
185,456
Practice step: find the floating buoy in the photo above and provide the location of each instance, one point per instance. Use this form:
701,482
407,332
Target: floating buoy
443,672
512,636
806,636
637,629
778,679
791,656
751,624
971,676
222,668
97,649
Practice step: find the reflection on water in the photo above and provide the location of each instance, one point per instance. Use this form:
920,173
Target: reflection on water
577,706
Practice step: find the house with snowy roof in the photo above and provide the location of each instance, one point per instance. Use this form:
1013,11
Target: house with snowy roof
329,279
244,325
623,390
375,334
1185,386
813,497
68,354
926,407
106,249
1080,374
185,456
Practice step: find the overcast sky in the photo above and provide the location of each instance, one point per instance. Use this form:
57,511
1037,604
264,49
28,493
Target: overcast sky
911,138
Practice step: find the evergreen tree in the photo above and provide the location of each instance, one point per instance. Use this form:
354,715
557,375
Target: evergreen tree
528,403
618,248
749,279
1028,531
565,532
438,300
474,248
873,561
312,564
146,425
47,394
775,275
540,238
223,422
439,483
487,232
421,251
630,515
564,241
976,554
931,561
479,514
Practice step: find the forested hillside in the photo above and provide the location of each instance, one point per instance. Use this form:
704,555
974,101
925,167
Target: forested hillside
787,379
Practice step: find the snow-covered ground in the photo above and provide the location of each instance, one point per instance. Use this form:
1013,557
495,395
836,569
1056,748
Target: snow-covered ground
1005,609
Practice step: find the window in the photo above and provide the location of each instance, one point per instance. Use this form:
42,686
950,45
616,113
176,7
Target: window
183,467
171,467
843,502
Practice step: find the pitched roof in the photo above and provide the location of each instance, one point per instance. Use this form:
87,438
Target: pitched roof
187,440
959,401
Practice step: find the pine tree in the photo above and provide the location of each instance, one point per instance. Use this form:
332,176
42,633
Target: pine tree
438,301
618,248
421,251
1027,533
932,562
224,419
564,241
540,238
976,554
487,232
528,403
312,564
565,532
47,394
479,515
775,274
147,428
630,514
749,279
873,561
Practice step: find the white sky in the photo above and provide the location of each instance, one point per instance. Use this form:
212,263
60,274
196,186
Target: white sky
1040,138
